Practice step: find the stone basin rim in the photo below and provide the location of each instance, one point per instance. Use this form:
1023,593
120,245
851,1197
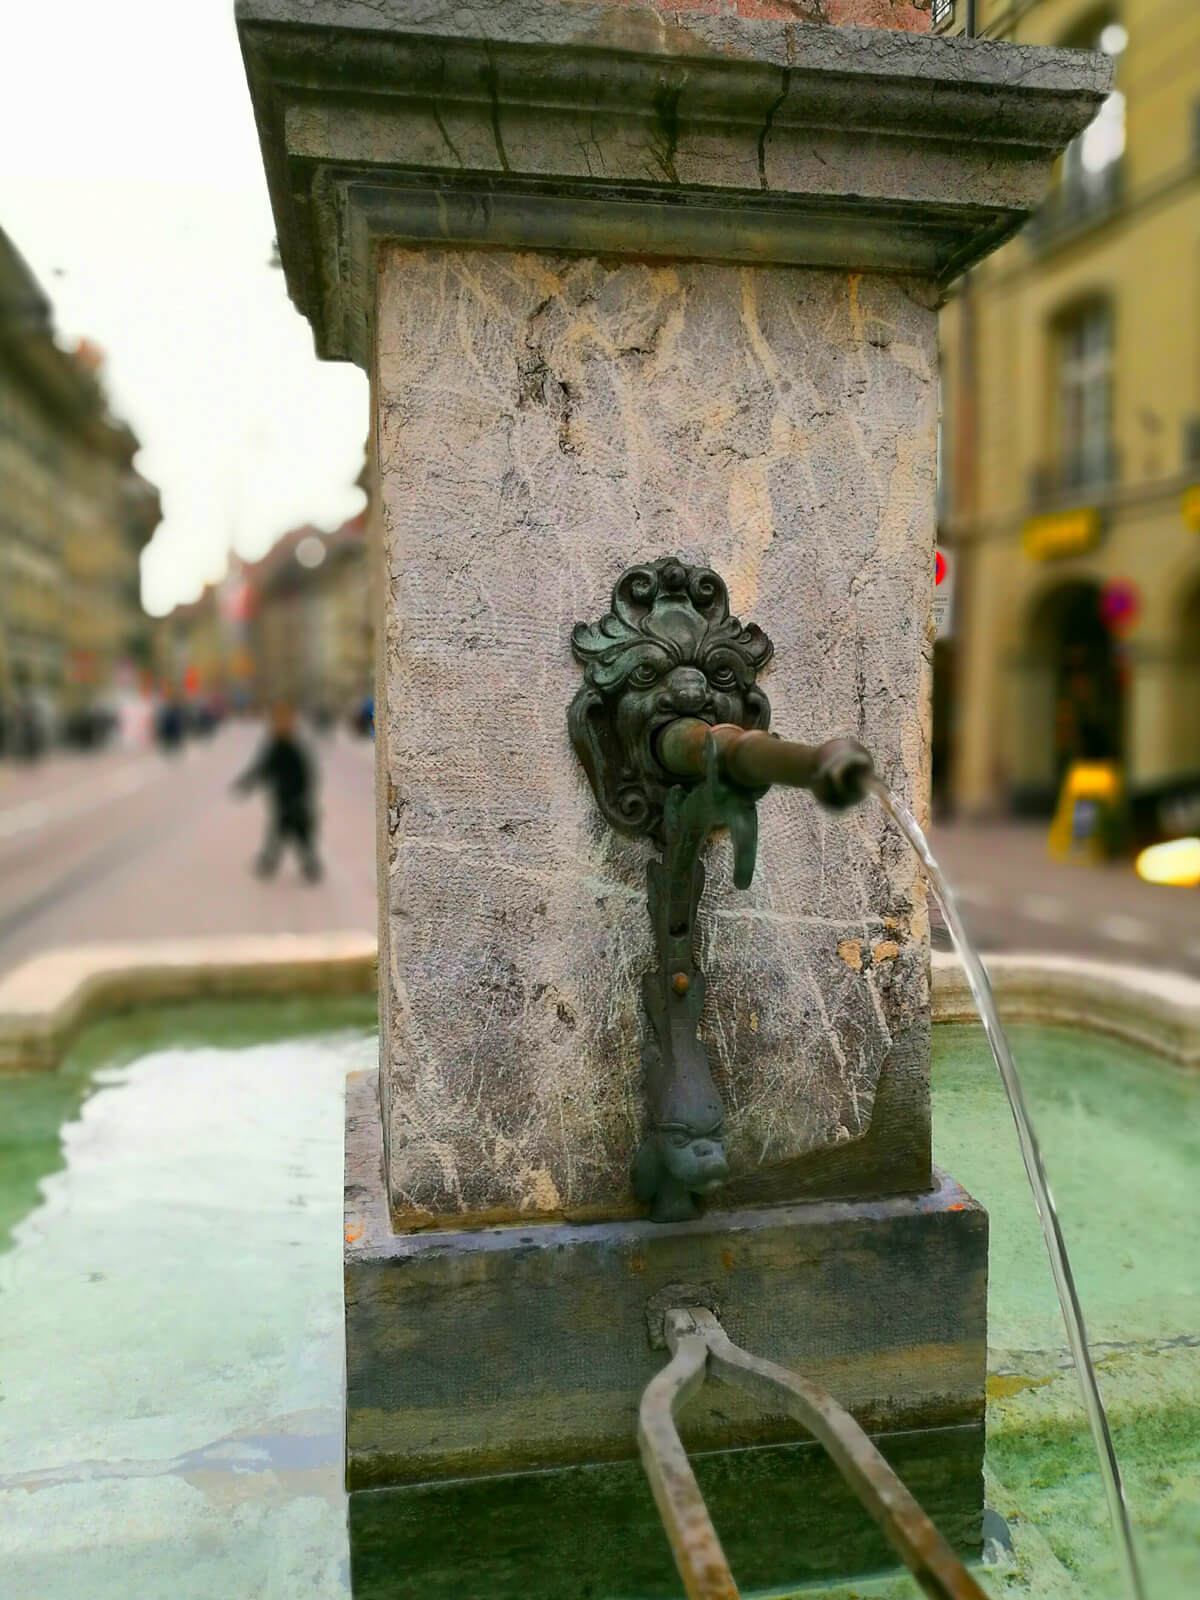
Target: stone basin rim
48,999
1154,1010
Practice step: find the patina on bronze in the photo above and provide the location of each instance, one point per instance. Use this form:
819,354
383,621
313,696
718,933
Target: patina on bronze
835,771
668,648
670,726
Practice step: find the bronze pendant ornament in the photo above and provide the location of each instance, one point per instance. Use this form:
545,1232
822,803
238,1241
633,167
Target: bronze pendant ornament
670,649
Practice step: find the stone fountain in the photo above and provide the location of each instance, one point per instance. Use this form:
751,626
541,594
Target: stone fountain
642,285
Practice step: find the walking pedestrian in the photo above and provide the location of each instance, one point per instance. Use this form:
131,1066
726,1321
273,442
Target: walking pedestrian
169,727
285,769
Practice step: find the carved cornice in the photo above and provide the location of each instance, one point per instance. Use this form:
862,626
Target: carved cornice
601,129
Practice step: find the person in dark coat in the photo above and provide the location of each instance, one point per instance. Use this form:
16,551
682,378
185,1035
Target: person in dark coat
284,768
169,727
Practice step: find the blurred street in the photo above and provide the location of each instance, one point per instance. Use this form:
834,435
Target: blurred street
127,845
132,845
1015,897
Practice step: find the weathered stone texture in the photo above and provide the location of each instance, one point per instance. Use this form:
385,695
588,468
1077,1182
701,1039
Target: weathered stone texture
721,130
911,15
544,422
488,1350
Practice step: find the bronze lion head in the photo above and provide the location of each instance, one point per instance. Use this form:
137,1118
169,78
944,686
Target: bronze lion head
668,648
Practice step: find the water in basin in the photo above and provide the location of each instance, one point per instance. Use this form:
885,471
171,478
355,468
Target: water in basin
170,1331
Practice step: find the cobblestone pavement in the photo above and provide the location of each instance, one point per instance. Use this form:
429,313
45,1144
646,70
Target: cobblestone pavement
1014,897
134,845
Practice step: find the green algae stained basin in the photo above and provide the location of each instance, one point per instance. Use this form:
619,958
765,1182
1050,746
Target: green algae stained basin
1121,1136
170,1309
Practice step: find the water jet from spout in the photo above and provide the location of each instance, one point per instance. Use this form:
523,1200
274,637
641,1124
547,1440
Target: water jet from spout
1060,1265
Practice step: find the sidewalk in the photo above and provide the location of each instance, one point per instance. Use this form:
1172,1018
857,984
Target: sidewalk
61,770
132,845
1016,897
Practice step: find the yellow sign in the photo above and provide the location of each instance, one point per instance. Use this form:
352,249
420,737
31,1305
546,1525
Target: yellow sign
1191,507
1061,533
1087,809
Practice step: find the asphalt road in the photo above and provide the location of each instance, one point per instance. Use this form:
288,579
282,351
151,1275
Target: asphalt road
134,845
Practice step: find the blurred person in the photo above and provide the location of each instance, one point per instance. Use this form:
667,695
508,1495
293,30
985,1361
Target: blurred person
29,736
169,727
285,769
204,719
136,715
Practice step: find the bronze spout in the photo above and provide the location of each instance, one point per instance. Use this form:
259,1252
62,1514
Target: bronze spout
835,772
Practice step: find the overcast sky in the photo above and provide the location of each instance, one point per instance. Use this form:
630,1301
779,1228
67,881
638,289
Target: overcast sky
130,179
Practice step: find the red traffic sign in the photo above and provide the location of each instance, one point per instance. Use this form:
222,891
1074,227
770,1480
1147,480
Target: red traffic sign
1120,604
939,567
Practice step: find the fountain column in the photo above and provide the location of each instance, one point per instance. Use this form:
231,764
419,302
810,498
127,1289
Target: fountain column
634,281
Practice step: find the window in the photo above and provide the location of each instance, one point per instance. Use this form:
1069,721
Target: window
1091,163
1084,351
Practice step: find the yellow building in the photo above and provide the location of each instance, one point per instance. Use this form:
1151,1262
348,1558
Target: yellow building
194,648
74,516
107,513
1070,494
350,649
313,640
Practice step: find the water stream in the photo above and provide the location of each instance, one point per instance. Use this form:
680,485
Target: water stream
1060,1265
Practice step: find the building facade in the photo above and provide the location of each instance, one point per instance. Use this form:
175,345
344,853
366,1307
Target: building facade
313,638
74,517
1070,492
294,626
193,648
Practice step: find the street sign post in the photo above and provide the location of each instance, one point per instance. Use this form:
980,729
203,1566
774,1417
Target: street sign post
1120,605
943,593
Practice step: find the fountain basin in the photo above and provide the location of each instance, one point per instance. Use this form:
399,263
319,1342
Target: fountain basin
170,1356
1153,1010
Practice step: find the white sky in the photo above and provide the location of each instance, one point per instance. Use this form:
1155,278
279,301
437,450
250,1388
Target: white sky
131,181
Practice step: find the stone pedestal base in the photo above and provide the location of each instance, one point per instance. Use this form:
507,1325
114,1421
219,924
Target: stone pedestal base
784,1516
496,1374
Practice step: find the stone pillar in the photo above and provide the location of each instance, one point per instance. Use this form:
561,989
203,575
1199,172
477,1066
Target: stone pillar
557,419
631,282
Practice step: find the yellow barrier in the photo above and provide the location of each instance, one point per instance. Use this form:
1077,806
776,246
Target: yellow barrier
1087,817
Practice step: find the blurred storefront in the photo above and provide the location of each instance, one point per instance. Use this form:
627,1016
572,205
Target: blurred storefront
1071,442
74,517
